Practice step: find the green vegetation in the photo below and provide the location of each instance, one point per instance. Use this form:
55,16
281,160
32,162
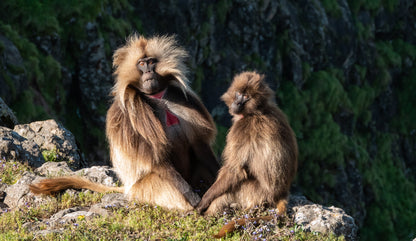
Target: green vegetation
372,5
311,116
22,21
312,109
50,155
222,8
139,221
331,7
311,112
11,171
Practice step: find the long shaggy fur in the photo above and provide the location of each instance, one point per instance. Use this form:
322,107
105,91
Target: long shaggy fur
134,130
165,48
155,161
260,157
171,62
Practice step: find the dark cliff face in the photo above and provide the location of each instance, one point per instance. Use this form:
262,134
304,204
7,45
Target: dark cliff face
343,71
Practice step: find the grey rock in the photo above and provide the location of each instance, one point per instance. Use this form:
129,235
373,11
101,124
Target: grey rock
50,44
111,200
317,218
14,146
53,169
19,194
27,142
52,136
101,174
99,209
114,200
70,215
64,212
7,117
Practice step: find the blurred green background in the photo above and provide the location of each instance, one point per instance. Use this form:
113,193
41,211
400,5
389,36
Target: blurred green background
344,72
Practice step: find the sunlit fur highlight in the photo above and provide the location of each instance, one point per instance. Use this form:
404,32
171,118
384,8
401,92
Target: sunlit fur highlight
164,48
171,58
156,163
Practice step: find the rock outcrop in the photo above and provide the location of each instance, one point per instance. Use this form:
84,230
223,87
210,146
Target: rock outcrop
7,117
311,217
33,143
26,143
317,218
343,72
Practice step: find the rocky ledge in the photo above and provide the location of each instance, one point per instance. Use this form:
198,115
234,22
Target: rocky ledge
52,151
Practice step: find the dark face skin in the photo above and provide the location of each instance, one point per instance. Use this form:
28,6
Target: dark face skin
150,82
238,105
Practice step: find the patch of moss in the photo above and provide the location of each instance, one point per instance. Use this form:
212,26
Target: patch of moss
115,25
42,72
361,97
364,31
331,7
35,15
310,114
26,108
394,195
49,80
15,69
390,58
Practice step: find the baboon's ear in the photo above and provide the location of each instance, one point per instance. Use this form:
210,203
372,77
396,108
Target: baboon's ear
119,56
225,97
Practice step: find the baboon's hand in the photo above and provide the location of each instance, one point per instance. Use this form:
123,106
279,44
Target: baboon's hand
202,207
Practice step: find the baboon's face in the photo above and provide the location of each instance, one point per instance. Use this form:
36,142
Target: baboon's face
238,105
150,81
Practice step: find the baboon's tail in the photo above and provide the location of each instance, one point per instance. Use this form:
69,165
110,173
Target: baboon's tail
55,185
233,225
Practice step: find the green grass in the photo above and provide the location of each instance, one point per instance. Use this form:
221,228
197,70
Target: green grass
11,171
142,222
50,155
135,221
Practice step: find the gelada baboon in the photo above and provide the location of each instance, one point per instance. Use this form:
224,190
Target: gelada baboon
260,157
159,132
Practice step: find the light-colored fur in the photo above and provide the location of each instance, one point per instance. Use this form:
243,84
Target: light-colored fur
153,160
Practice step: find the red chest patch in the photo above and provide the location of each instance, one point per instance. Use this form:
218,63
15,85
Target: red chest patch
171,119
